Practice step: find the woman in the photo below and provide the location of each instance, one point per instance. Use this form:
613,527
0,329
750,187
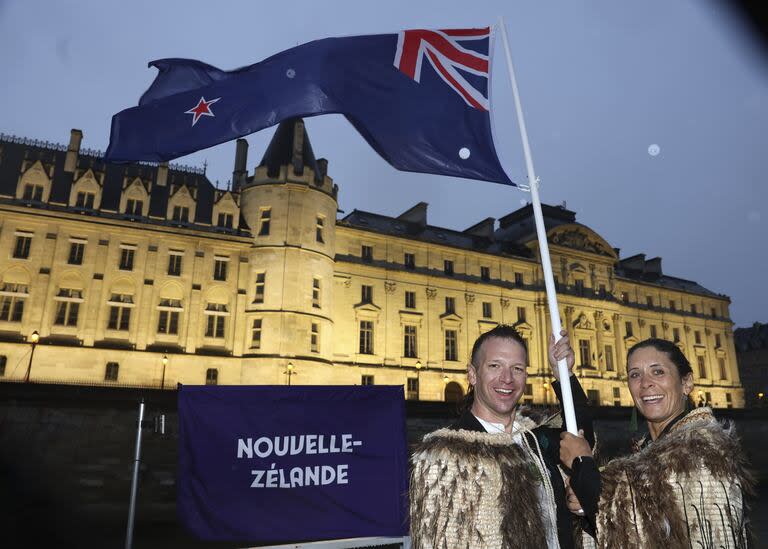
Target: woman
684,485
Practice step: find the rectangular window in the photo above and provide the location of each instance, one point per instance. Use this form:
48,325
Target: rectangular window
518,279
314,338
212,376
214,326
521,314
451,345
85,200
616,396
261,279
450,305
409,341
485,273
585,355
723,371
649,300
593,397
225,220
708,397
366,337
111,372
694,310
174,264
12,302
409,260
3,363
713,312
21,249
579,285
126,259
717,341
628,328
412,388
76,252
316,293
119,315
366,380
180,214
366,252
410,299
697,337
609,367
602,291
702,366
624,297
366,294
33,192
676,335
654,332
67,311
319,228
134,207
728,400
448,267
256,334
672,305
220,268
487,310
168,319
265,221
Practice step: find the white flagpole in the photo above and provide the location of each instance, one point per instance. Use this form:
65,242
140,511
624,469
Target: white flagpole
546,262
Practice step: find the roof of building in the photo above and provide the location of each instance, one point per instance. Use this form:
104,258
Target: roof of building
751,339
15,151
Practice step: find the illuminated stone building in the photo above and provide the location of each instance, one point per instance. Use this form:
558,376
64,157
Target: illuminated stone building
149,275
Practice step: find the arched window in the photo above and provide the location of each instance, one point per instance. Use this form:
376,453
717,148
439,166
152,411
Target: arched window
453,392
211,376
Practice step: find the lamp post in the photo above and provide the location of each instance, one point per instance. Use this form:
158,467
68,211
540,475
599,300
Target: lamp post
289,372
162,379
34,337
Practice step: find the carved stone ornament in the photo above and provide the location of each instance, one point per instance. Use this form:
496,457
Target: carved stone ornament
348,283
599,316
687,329
582,322
641,322
469,298
665,326
504,302
389,286
578,241
431,292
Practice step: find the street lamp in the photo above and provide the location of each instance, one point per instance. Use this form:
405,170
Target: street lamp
289,372
162,379
34,337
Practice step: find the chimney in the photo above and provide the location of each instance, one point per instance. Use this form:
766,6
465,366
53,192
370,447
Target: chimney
73,150
162,174
241,159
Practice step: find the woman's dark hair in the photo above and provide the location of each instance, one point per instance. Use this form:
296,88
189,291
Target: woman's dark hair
501,331
670,349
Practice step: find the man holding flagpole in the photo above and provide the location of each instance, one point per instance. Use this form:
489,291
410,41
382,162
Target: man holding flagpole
492,478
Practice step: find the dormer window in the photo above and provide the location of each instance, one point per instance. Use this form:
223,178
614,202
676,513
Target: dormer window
180,214
33,192
85,200
134,207
225,220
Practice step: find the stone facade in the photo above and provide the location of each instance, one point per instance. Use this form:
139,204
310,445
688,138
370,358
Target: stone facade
148,275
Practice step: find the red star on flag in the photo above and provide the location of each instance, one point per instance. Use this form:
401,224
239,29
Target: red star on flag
203,108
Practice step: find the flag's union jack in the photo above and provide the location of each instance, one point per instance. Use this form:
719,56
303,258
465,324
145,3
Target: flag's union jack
446,55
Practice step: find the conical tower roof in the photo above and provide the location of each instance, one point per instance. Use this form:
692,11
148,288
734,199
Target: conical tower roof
290,146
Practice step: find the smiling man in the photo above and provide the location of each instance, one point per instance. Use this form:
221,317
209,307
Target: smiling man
491,479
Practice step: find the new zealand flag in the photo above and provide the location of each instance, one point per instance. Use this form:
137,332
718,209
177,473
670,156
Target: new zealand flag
420,99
